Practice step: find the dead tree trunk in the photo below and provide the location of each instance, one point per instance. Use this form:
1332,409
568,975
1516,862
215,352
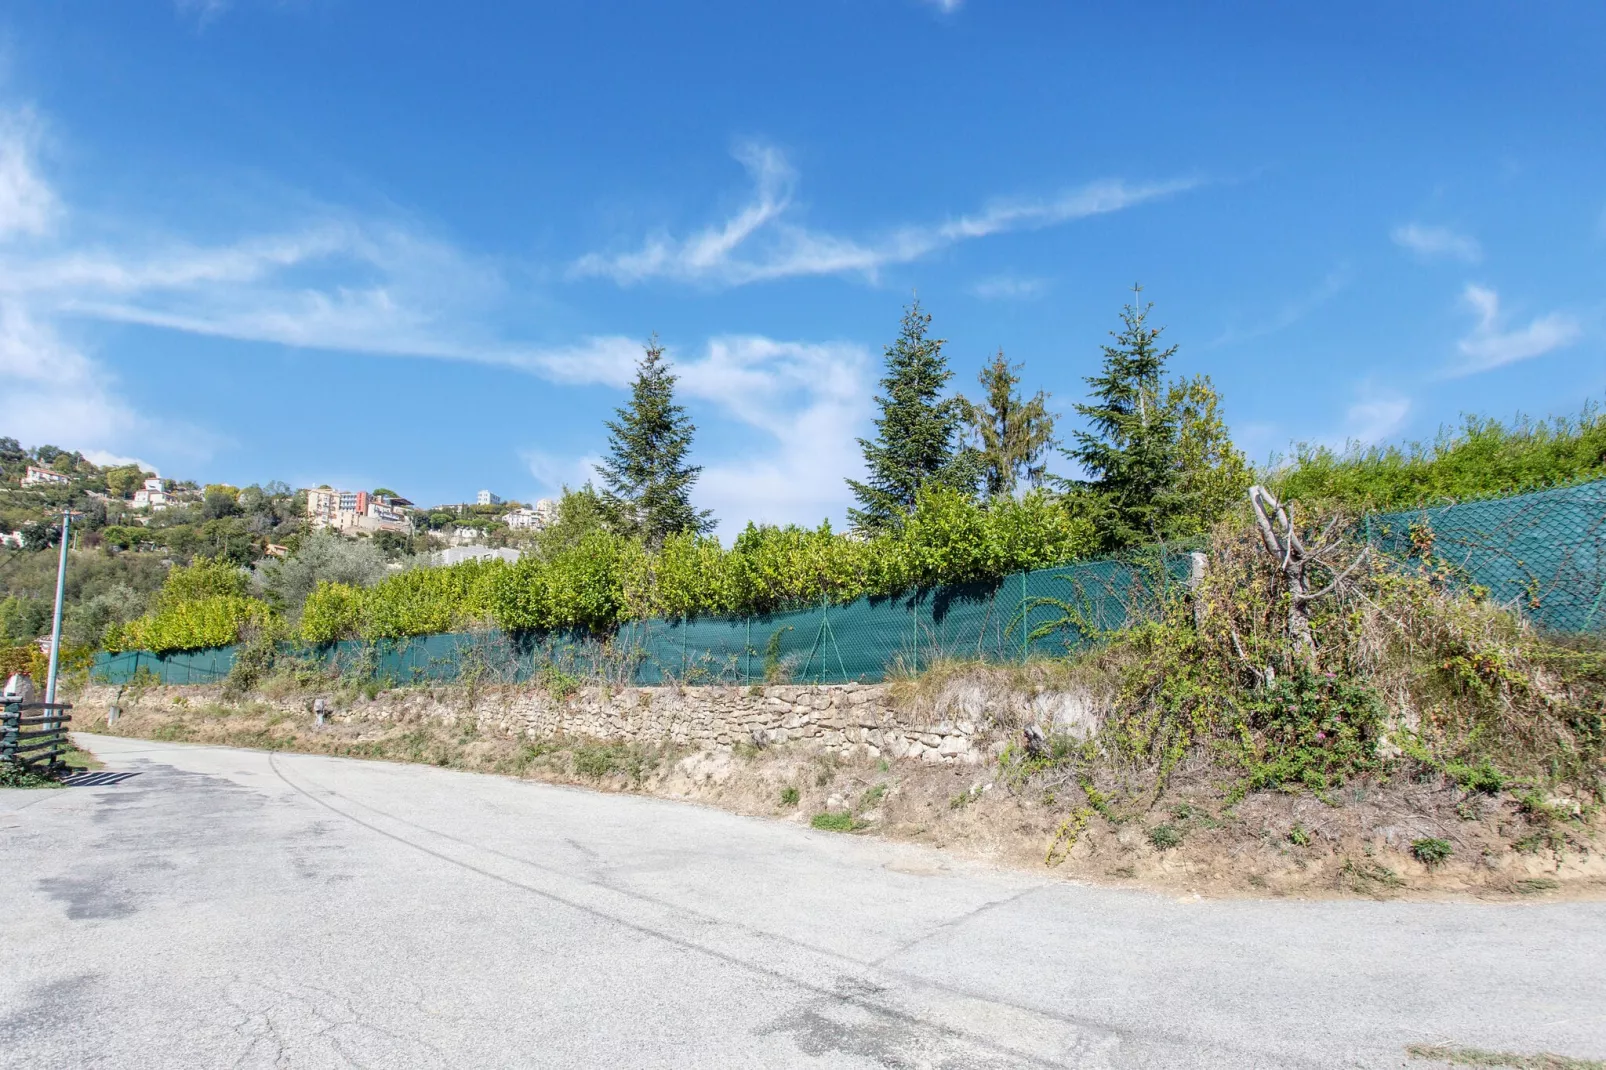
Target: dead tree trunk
1296,562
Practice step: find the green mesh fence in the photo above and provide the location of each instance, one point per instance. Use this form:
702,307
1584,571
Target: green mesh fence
1543,553
1039,613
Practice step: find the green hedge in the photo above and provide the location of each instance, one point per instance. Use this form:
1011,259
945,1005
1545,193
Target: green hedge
605,580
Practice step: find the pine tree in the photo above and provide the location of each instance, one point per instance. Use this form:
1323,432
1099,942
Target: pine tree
1129,454
647,482
1011,435
918,432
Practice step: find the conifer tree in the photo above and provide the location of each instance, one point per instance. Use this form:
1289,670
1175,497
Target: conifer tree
1159,459
646,480
917,441
1011,435
1128,455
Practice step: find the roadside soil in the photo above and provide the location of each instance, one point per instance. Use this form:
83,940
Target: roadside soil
1191,840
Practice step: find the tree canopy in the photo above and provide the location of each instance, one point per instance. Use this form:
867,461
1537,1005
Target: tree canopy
918,434
646,477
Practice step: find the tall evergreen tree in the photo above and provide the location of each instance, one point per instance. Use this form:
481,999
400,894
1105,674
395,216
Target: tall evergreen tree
1012,435
646,480
1129,452
918,433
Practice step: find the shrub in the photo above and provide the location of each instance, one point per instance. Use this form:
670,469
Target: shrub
1431,851
834,821
1165,837
790,796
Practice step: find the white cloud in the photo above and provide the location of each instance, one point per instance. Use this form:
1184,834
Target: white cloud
947,7
802,405
349,284
107,459
1431,243
552,473
1009,288
27,203
761,241
1488,345
809,401
1375,416
50,391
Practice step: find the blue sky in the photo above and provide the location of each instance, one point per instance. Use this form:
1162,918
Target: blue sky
419,245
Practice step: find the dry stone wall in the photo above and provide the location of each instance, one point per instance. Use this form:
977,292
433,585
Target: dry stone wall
847,719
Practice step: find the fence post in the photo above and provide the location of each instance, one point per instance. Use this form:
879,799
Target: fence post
1196,574
1025,633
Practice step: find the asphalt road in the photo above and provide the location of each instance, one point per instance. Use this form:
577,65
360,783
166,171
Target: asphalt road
228,908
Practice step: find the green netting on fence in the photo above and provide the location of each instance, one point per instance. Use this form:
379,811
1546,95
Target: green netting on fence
1542,553
1038,613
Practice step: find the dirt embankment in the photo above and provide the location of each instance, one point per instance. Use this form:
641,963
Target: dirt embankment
1382,837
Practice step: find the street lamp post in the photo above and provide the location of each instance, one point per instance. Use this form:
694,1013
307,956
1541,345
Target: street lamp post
55,625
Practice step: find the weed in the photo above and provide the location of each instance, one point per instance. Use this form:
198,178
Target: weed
1165,837
14,775
1431,851
1298,836
790,796
1535,885
963,799
1368,878
1482,778
1445,1053
597,760
1065,837
840,821
559,684
873,797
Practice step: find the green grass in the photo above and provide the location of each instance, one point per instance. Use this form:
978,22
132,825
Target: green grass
790,796
841,821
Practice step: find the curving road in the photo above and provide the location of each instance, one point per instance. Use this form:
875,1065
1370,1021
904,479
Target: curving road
229,908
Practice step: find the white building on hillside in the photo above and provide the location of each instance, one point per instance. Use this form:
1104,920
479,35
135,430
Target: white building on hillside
357,512
541,516
485,497
34,477
456,555
153,495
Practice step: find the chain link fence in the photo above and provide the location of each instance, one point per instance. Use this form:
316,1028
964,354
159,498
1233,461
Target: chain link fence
1543,554
1033,614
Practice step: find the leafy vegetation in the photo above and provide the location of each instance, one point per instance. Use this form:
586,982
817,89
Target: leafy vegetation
1483,458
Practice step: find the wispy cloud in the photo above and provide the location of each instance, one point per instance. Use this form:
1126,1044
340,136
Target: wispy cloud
763,241
947,7
27,203
1490,345
1374,416
1289,314
1009,288
202,11
1433,243
344,283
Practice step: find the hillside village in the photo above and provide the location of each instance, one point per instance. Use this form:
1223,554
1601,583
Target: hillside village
131,526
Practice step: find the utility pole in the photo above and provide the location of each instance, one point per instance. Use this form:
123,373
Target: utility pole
61,591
